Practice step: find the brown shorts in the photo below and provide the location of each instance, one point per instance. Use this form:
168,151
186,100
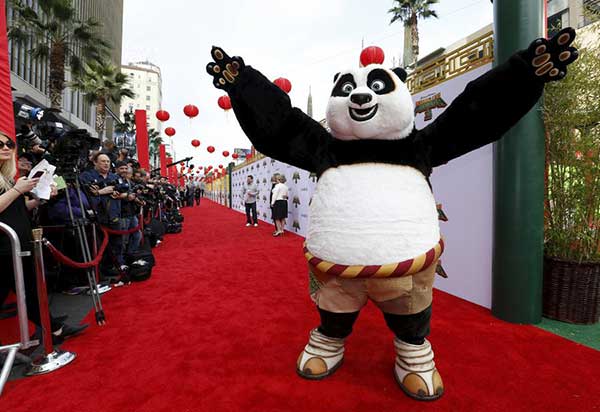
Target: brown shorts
404,295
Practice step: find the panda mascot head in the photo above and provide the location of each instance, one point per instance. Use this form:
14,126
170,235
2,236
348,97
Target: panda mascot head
370,102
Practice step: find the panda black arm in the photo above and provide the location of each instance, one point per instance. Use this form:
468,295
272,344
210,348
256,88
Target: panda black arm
267,117
491,104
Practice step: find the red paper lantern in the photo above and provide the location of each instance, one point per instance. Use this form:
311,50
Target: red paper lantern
224,102
210,149
372,55
162,115
220,166
195,142
235,155
284,84
169,131
191,111
225,153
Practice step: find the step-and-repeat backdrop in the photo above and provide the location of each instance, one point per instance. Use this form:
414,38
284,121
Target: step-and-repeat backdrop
301,186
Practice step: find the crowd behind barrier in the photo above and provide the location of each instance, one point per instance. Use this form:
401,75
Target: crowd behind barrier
101,215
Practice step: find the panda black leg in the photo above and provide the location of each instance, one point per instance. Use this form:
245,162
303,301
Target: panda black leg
336,325
324,352
411,329
414,368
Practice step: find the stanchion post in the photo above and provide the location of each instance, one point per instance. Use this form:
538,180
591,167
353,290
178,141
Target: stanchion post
52,359
42,290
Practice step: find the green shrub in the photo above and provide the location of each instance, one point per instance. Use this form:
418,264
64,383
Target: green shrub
572,118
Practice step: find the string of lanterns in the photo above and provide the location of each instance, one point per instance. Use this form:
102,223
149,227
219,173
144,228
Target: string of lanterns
191,111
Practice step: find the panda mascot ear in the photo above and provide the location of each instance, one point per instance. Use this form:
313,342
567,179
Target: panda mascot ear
335,77
401,73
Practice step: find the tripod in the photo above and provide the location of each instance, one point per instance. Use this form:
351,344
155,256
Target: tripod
79,225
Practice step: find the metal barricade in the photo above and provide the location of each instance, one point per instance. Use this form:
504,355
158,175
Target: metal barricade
25,342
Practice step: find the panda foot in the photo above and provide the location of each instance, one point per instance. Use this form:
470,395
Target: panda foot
321,357
415,371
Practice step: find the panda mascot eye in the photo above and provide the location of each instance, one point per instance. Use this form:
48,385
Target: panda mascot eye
377,85
347,87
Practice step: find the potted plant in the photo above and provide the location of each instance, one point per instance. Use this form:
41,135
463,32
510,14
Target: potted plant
571,110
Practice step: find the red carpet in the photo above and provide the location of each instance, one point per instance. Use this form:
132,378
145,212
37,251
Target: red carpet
221,322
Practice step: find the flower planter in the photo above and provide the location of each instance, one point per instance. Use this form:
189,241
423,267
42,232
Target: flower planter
571,291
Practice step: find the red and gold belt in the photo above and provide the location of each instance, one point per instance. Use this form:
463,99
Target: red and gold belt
390,270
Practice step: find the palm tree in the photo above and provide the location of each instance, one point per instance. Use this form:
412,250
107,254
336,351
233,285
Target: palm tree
155,141
409,12
102,82
59,34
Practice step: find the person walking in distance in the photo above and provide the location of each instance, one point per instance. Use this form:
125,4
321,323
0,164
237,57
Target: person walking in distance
279,203
274,181
250,192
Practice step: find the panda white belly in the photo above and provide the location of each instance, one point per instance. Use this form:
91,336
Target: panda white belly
372,214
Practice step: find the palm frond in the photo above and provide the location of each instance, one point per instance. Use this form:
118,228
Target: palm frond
17,34
40,51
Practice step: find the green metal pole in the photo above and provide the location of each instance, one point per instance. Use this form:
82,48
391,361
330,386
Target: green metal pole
517,262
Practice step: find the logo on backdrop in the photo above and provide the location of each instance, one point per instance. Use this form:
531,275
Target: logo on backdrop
427,104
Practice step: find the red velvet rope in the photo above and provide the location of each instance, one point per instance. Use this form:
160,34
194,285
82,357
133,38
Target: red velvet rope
122,232
70,262
58,255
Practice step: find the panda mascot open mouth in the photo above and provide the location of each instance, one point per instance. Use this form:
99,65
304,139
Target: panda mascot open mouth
362,115
370,103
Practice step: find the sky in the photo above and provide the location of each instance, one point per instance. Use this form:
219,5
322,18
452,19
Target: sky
306,42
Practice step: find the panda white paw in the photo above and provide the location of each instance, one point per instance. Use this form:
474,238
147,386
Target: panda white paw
550,58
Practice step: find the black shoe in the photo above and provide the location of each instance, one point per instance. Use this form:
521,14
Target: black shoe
68,331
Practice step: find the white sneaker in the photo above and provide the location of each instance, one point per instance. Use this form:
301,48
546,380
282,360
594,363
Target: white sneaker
248,225
256,225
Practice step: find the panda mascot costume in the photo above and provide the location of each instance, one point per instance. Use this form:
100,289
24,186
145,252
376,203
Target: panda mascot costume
374,231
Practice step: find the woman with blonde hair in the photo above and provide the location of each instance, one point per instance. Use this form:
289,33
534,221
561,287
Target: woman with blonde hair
279,203
13,212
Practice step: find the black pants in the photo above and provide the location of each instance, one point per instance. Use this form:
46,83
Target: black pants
411,329
197,200
251,207
7,284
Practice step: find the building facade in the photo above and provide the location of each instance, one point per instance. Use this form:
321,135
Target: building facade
146,82
570,13
30,77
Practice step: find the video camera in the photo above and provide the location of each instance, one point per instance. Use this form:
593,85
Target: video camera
70,153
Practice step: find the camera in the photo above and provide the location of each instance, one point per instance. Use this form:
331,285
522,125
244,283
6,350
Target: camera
70,153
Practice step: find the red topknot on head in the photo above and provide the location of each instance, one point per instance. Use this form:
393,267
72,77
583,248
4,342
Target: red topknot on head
372,55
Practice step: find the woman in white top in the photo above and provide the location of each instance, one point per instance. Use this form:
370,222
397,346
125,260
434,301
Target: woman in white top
279,203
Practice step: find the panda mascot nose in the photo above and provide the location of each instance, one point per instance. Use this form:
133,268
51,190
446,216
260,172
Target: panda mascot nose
361,98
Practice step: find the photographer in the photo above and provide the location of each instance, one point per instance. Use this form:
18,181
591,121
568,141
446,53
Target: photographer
100,184
129,208
29,141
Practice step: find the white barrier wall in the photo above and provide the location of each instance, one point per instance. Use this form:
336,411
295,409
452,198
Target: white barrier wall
464,187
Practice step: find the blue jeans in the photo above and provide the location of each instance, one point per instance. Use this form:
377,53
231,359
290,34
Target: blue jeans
131,242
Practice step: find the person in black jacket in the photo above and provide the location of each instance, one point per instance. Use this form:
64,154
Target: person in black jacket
13,212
